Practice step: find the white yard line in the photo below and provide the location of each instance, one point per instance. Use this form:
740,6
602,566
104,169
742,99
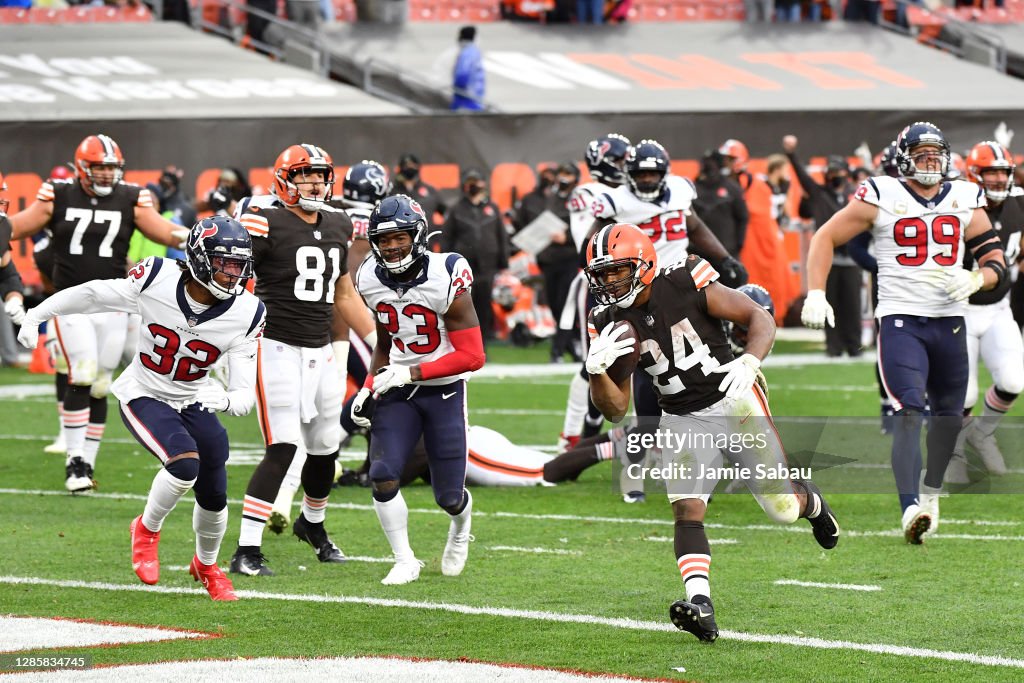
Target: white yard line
539,551
840,586
538,615
796,528
712,541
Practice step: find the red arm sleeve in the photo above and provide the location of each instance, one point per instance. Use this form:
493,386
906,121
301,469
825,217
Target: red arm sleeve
468,355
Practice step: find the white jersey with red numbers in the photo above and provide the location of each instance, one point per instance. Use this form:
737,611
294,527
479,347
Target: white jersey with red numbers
663,221
496,461
581,216
178,339
413,310
360,215
919,244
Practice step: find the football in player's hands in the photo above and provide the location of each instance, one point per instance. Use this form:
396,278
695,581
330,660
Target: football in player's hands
624,365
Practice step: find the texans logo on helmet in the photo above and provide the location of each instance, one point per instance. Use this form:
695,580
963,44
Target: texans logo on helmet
415,206
596,152
208,231
376,177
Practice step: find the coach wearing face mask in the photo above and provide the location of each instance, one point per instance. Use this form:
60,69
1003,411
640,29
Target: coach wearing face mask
844,284
407,181
473,227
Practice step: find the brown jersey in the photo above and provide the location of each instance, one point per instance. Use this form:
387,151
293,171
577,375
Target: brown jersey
90,234
1008,221
680,342
297,264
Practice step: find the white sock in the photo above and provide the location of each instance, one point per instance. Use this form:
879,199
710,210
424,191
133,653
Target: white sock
74,429
164,494
694,569
994,411
461,522
394,519
314,509
209,527
576,406
60,420
93,436
293,477
254,519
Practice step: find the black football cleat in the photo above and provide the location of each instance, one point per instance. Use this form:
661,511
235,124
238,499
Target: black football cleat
696,617
825,526
249,561
316,536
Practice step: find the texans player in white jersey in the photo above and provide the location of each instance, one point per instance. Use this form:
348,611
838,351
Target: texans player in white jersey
300,260
191,318
606,161
922,225
365,184
708,397
428,341
91,219
992,332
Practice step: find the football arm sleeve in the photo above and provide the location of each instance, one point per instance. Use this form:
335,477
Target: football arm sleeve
10,280
97,296
464,333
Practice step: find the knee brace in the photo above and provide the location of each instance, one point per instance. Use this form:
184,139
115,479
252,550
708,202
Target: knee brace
186,469
101,385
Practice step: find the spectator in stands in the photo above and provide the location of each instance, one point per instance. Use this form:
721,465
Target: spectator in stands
788,11
468,76
474,228
536,200
559,261
173,203
23,4
407,181
256,27
862,10
231,188
720,204
758,10
778,180
589,12
843,288
305,13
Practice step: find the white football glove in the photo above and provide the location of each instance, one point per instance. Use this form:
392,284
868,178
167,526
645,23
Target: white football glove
817,311
212,398
29,334
15,308
607,348
359,410
391,377
964,283
181,235
741,375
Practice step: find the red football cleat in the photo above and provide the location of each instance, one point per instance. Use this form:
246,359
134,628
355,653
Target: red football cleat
145,545
567,443
213,579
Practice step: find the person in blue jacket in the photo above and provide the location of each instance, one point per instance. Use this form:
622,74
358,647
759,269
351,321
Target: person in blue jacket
468,75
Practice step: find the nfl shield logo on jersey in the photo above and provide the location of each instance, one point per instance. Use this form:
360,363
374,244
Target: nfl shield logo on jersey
192,321
316,234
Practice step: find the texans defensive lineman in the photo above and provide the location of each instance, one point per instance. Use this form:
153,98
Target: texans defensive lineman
992,332
300,260
428,340
677,315
191,317
91,218
922,225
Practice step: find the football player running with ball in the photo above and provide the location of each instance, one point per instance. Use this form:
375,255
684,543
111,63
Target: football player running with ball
190,318
428,341
677,317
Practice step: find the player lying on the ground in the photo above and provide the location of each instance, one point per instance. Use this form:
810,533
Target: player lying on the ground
190,319
675,319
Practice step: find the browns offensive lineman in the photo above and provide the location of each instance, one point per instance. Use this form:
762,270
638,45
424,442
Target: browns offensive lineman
300,255
91,218
678,317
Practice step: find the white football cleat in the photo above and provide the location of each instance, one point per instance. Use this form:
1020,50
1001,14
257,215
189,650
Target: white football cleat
929,503
916,521
58,447
988,451
281,512
456,550
403,572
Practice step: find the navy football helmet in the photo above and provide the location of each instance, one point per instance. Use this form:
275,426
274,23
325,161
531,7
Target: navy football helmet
606,158
399,213
366,183
220,245
916,135
738,333
649,155
886,164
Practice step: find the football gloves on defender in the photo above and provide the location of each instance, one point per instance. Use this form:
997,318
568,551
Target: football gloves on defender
732,273
741,374
964,283
607,348
817,311
28,336
212,398
391,377
15,308
362,408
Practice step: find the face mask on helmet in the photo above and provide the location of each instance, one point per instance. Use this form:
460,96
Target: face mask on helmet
922,153
391,219
991,166
103,178
219,256
616,282
606,159
312,185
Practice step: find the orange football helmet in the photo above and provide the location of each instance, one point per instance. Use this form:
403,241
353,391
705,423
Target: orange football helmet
98,150
987,156
738,151
614,246
296,162
5,203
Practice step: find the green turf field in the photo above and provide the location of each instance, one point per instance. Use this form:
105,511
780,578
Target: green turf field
593,593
